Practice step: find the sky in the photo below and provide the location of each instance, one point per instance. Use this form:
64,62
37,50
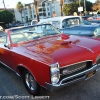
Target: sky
12,3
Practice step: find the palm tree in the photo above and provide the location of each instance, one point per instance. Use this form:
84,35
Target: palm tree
19,6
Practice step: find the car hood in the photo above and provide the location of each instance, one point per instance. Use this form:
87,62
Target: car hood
84,30
64,51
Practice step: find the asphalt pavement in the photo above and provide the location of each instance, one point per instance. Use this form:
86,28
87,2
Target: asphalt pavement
12,86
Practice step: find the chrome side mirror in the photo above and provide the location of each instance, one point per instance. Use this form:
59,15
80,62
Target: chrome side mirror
7,45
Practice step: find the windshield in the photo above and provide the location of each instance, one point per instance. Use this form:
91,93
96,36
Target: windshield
70,22
33,32
55,23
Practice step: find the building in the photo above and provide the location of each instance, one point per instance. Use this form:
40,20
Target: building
45,8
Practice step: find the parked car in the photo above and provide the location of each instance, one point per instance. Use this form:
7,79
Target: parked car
33,22
43,56
97,16
73,25
86,22
89,22
95,21
87,18
1,28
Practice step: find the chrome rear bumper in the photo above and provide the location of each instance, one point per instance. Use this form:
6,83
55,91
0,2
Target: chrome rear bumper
74,78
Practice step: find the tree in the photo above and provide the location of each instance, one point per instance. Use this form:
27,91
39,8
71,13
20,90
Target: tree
73,7
96,7
19,6
69,9
6,16
97,1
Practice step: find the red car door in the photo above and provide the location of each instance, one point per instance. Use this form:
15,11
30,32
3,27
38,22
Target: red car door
5,52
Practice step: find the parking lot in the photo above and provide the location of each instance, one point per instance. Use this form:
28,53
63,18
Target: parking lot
11,85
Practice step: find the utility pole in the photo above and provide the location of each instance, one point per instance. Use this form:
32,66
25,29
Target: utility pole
4,5
79,3
84,7
79,6
36,9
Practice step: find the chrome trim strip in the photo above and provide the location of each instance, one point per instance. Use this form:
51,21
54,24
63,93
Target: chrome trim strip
76,63
9,68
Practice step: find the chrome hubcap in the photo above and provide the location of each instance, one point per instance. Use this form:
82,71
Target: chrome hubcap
30,82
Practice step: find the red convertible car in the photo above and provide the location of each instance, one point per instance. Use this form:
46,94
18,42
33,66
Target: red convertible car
43,56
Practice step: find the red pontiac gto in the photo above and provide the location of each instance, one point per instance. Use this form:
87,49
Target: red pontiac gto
45,57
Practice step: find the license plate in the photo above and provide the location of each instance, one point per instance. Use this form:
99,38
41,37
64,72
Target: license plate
90,74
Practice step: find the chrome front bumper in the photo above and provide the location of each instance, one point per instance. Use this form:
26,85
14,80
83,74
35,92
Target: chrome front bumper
74,78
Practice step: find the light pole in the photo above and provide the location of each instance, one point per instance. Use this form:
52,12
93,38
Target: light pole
79,3
79,6
84,7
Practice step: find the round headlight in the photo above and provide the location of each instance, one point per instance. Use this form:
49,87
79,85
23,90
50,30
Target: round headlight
95,33
55,79
55,73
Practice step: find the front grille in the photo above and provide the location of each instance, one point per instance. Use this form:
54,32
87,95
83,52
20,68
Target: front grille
75,68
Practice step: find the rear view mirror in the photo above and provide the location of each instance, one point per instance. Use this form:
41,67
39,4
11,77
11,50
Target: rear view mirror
7,45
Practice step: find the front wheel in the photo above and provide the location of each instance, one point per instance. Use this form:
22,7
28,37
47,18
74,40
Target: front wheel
30,83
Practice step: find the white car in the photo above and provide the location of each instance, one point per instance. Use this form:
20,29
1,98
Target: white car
1,28
33,22
73,25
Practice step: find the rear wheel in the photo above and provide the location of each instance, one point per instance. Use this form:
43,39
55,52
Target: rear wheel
30,83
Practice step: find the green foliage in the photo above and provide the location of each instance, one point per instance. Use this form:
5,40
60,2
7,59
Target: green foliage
6,16
97,1
69,9
19,6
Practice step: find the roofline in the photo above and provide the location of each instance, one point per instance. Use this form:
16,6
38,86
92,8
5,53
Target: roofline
60,17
